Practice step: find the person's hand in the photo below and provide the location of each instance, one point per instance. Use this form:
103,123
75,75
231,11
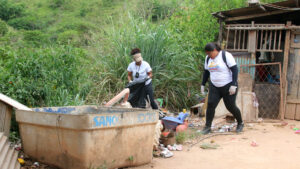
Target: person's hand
202,90
232,90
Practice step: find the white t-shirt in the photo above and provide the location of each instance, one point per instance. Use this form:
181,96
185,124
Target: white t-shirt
220,74
143,69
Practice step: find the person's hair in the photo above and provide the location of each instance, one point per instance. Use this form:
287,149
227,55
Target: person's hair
212,46
135,51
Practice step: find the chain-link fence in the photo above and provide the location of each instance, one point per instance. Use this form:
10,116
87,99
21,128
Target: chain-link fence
267,83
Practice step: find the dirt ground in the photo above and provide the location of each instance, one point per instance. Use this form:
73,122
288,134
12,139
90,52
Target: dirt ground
278,147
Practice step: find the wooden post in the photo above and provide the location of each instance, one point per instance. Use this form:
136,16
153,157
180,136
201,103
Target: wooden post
252,42
285,66
5,118
220,39
281,107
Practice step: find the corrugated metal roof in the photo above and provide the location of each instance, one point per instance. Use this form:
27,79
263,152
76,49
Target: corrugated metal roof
8,156
259,10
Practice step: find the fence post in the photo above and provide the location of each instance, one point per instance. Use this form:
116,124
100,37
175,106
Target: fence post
285,66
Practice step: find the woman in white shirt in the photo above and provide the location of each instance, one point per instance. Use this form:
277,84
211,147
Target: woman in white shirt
140,81
222,70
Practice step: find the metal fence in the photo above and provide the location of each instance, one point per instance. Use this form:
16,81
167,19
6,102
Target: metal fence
267,85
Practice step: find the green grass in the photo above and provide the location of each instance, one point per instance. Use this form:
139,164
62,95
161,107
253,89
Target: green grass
42,36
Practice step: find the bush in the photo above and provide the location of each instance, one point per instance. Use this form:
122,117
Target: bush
56,3
69,37
27,23
3,28
155,9
35,37
172,68
9,10
51,76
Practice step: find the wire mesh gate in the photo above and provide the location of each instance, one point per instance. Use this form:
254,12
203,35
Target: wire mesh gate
267,85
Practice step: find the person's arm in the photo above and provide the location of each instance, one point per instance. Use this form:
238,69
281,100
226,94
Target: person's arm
129,76
205,77
150,74
234,71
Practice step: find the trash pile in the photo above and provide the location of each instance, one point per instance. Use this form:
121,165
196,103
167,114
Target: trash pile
178,123
171,126
25,161
227,128
166,152
296,129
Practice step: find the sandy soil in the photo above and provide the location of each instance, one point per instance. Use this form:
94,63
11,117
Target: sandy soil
278,148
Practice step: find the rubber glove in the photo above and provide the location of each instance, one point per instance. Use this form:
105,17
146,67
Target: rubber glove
232,90
202,90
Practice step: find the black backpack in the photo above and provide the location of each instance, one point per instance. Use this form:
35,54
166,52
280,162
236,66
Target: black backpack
223,56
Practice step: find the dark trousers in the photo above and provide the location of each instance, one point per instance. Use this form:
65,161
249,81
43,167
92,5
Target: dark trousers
149,92
214,97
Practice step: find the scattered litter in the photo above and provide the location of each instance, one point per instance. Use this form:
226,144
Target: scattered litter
250,125
172,122
182,127
179,147
175,147
230,119
168,138
260,120
295,128
254,144
170,147
191,125
292,126
156,153
227,128
166,153
36,164
18,147
21,161
212,135
283,124
212,141
297,132
209,146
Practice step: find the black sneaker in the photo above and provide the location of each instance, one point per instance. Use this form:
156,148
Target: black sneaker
205,130
239,127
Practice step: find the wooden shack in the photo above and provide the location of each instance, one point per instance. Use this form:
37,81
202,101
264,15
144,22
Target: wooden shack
6,108
265,41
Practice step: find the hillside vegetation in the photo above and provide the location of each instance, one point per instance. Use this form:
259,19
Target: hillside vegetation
74,52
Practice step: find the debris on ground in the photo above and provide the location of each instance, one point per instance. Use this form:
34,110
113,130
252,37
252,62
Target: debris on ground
254,144
209,146
171,123
230,119
175,147
196,122
227,128
260,120
21,161
282,124
164,152
168,138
